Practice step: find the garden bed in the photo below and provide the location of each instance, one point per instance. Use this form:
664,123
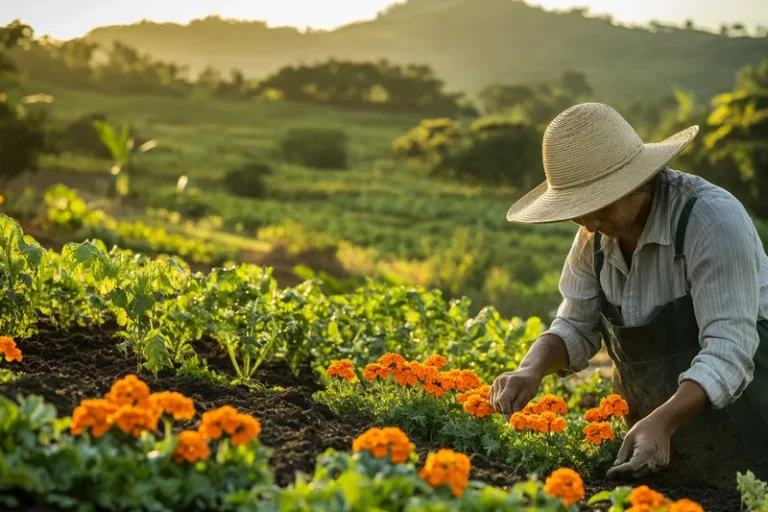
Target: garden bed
67,367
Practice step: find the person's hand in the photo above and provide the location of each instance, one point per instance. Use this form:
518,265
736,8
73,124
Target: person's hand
511,391
645,450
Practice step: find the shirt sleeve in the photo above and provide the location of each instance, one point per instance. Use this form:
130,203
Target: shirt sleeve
722,254
577,315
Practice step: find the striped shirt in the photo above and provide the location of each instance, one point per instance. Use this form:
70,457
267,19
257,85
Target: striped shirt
727,270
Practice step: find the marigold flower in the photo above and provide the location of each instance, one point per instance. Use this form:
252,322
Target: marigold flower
130,390
597,432
529,409
247,430
518,420
685,505
390,359
449,380
613,405
434,390
594,414
467,379
9,349
565,484
214,423
374,370
343,369
93,414
551,403
449,468
478,406
382,441
192,447
436,361
134,420
173,403
644,496
405,374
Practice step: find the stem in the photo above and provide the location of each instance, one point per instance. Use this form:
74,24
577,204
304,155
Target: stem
167,428
232,358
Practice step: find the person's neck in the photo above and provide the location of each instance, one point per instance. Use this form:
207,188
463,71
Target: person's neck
629,239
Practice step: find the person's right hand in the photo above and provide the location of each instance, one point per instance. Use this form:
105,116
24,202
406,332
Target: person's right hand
511,391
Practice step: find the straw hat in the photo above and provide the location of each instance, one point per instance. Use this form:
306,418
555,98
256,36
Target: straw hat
592,157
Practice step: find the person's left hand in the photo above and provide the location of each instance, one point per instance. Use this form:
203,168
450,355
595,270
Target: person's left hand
645,450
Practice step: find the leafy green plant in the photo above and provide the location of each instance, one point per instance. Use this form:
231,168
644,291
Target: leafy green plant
122,148
754,492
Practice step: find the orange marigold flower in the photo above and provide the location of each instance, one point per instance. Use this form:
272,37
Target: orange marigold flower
92,414
434,390
467,380
551,403
173,403
130,390
134,420
518,420
343,369
192,447
644,496
9,349
390,359
214,423
594,414
419,370
374,370
436,361
565,484
613,405
247,430
405,375
381,442
449,468
545,422
685,505
597,432
529,409
449,380
478,406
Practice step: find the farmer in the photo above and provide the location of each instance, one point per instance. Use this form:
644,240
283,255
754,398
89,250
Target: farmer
668,270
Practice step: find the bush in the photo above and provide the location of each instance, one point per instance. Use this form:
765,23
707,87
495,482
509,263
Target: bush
315,147
247,180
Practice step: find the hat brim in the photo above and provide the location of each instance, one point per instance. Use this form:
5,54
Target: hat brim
543,205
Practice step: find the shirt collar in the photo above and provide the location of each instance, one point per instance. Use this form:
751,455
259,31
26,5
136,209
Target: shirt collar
657,226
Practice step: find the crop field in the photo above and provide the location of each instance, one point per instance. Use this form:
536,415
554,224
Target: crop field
131,382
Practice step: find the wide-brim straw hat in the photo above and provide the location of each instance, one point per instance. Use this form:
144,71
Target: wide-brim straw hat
592,157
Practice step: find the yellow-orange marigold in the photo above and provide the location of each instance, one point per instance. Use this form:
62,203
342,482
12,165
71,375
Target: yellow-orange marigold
93,414
597,432
390,359
9,349
130,390
644,496
436,361
248,429
381,442
174,403
134,420
344,369
565,484
518,420
192,447
215,423
594,414
405,374
613,405
551,403
449,468
478,406
467,379
685,505
374,370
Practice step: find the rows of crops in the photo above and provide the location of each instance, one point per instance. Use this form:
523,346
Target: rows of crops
400,358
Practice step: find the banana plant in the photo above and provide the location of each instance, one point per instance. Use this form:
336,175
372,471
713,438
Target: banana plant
122,147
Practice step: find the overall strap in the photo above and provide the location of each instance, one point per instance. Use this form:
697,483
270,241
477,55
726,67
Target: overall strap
599,257
682,225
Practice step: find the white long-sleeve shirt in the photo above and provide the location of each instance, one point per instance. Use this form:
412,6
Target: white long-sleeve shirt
727,269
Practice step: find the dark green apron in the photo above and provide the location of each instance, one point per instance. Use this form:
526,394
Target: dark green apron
648,360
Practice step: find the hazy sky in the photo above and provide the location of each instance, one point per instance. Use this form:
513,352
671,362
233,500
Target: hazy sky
65,19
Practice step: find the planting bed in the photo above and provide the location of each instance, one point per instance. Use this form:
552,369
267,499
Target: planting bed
67,367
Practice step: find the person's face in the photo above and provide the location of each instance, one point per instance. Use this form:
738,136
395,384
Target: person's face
617,218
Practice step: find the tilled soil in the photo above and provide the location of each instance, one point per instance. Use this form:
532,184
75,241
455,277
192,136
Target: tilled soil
67,367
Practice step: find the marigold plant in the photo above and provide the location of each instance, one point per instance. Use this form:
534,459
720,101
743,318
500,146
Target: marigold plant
390,359
192,447
343,369
9,349
612,406
134,420
448,468
174,404
381,442
436,361
597,432
130,390
566,485
93,414
685,505
643,498
373,371
551,403
241,428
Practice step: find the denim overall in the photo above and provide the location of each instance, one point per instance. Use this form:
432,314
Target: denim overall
648,359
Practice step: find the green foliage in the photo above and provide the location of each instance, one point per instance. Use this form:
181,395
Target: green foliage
315,147
754,493
247,180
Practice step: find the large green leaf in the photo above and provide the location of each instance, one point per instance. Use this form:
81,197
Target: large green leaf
156,353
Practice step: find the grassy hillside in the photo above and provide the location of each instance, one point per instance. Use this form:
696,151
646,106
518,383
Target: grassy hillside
470,43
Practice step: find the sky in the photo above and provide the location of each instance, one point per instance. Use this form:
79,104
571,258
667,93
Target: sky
65,19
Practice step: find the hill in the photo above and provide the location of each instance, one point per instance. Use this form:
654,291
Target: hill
470,44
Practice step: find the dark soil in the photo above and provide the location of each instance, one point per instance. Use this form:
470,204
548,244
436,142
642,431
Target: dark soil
67,367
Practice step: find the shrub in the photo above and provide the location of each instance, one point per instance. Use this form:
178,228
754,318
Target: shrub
320,148
247,180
